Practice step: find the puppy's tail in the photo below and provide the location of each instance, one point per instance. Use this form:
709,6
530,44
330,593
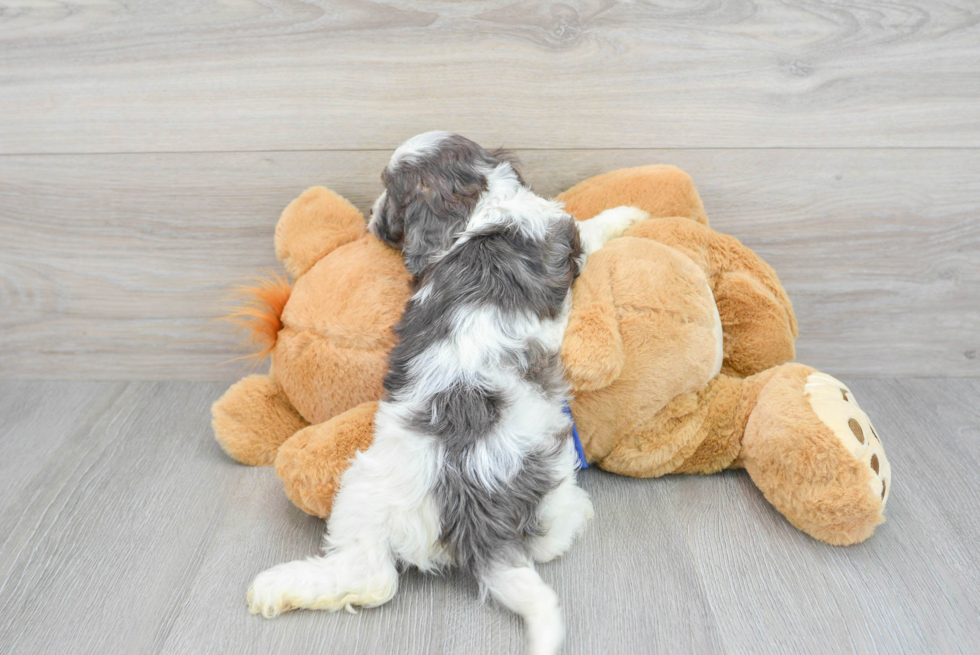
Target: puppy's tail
521,590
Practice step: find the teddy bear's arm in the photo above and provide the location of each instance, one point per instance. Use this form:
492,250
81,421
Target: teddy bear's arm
312,462
757,317
253,418
657,189
313,225
592,349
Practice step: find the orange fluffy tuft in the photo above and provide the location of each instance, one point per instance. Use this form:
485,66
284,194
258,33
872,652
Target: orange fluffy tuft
259,311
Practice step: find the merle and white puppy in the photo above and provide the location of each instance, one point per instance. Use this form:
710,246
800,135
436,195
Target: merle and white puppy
472,462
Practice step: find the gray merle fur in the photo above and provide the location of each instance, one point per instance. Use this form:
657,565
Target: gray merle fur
461,414
500,268
542,368
429,199
482,527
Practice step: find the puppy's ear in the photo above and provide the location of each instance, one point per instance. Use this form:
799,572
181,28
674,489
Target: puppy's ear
432,225
437,212
386,222
503,155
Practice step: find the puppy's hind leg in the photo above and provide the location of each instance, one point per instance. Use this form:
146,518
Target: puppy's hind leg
562,516
521,590
358,565
363,576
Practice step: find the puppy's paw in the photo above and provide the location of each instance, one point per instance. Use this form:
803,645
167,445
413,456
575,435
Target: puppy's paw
619,219
280,589
570,510
338,581
608,225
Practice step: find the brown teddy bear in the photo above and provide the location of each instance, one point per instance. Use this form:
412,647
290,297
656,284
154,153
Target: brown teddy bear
676,352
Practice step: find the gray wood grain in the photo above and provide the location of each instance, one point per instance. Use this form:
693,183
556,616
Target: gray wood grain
137,535
910,588
113,76
442,614
114,267
146,151
35,419
109,536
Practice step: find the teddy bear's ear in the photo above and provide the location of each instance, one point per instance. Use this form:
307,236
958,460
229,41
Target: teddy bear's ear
658,189
312,226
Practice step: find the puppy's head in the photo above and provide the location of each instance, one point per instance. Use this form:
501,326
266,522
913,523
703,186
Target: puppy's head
432,184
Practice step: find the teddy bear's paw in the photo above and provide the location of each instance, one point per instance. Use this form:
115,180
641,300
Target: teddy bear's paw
835,405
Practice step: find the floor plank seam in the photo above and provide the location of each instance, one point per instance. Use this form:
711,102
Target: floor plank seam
510,147
697,567
178,609
85,425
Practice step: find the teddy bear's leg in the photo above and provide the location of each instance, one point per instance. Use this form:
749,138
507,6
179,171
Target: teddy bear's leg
757,316
696,433
815,455
253,418
657,189
312,462
759,329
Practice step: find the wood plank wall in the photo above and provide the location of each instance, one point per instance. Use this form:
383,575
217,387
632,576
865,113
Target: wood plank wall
146,150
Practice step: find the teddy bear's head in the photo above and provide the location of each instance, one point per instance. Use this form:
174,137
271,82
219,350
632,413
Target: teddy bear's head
330,331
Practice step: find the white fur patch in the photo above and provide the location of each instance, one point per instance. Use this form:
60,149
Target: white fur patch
375,212
606,226
507,202
416,146
521,590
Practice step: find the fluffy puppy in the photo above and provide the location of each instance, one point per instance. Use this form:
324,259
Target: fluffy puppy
472,462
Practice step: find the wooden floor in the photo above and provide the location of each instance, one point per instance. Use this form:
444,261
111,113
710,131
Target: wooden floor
147,148
125,529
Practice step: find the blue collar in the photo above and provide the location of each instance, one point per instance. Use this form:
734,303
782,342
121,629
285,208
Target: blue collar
582,464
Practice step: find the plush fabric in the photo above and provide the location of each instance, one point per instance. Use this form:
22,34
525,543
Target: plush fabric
314,460
253,419
676,350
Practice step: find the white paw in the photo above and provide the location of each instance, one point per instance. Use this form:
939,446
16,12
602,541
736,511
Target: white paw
836,406
571,513
620,219
280,589
338,581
